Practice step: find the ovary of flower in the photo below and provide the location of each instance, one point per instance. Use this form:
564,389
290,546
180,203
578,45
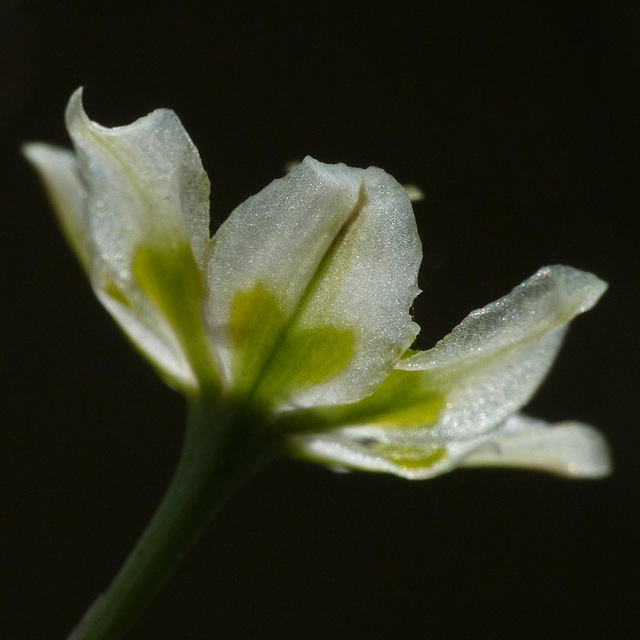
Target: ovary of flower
299,306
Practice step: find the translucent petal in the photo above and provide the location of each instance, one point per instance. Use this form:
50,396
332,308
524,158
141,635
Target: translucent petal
132,199
344,450
401,402
58,170
145,184
321,265
491,364
154,337
569,448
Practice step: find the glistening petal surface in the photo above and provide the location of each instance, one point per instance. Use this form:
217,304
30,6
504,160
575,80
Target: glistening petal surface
568,448
482,372
321,265
491,363
145,184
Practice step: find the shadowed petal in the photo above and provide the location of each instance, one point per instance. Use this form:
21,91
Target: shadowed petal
569,448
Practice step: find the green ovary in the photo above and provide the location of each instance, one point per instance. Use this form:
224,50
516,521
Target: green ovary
274,356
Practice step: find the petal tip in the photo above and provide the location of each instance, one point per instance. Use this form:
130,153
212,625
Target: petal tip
75,113
33,151
584,287
589,456
570,449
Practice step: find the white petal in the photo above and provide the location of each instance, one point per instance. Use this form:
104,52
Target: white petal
491,364
58,170
337,248
569,448
145,182
133,202
141,322
154,337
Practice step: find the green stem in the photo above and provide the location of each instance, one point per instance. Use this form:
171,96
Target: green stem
222,449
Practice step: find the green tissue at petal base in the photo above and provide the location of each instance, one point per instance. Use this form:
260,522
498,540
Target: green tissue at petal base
274,356
412,457
403,401
172,281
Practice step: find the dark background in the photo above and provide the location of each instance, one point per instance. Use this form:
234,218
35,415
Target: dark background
521,123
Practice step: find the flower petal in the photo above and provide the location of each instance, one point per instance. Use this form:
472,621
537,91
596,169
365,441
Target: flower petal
569,449
310,284
365,449
59,172
401,402
153,336
133,201
58,169
491,363
145,183
486,369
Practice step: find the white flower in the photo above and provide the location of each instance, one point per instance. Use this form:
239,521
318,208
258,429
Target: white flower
299,307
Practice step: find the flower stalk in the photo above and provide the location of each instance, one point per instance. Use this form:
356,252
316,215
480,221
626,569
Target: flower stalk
213,464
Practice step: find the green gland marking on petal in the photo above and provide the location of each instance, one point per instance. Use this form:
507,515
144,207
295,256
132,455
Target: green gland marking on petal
172,281
274,358
307,357
256,324
403,401
411,457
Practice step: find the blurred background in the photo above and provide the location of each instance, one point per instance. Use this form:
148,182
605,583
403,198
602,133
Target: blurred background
520,121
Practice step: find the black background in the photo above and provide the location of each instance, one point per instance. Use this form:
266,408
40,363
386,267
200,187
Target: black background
521,123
